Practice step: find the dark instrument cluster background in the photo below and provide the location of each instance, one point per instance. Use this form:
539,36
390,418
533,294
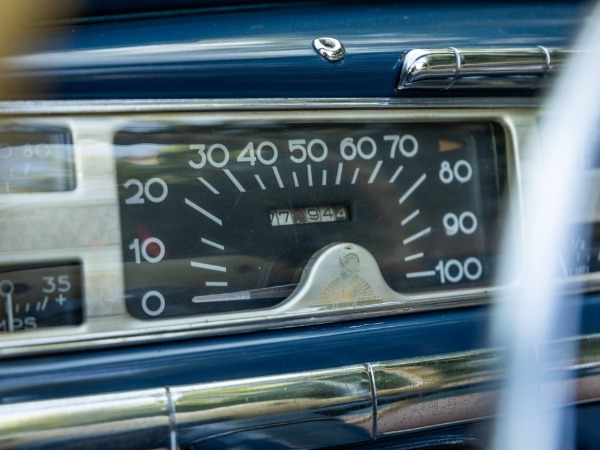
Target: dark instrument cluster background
398,206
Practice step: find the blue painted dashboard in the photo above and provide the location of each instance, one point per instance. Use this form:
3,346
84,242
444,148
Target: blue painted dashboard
257,50
264,50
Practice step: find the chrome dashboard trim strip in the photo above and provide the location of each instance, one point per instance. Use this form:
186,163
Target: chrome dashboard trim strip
572,364
476,68
136,419
420,394
50,107
338,406
374,402
293,409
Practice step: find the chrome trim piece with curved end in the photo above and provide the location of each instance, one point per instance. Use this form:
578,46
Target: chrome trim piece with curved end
490,68
455,388
332,407
137,419
293,409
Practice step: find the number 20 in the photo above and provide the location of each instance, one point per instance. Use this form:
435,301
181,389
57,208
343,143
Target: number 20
143,189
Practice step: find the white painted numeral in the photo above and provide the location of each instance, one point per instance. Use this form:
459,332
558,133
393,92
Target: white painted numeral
249,154
209,156
51,285
315,150
149,303
202,162
407,145
465,223
323,149
347,149
453,271
42,151
473,268
148,190
138,197
63,283
297,145
365,147
461,172
259,153
141,251
362,144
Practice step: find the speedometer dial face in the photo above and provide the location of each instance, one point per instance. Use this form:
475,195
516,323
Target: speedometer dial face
224,217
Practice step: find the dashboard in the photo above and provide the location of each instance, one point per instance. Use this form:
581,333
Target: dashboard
278,225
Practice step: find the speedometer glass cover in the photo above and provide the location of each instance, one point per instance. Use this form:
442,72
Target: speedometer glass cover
227,216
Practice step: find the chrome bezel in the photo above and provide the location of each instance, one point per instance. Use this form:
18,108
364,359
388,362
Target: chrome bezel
107,323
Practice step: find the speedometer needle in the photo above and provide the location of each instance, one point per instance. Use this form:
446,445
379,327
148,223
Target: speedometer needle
255,294
6,290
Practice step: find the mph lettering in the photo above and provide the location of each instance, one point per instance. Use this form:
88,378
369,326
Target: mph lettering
25,323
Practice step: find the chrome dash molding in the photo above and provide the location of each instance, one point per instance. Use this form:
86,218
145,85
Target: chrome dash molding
54,107
332,407
475,68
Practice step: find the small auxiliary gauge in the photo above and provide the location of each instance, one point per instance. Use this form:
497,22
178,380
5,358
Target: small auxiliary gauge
40,296
35,159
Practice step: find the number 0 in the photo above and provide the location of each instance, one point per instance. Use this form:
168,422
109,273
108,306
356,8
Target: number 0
155,311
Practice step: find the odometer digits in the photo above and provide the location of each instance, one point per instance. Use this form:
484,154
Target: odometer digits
224,217
308,214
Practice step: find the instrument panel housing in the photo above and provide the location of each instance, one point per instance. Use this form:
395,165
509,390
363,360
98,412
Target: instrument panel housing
91,232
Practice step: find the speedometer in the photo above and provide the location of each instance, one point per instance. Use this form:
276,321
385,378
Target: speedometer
225,216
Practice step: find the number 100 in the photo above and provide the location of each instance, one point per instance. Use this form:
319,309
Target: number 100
453,271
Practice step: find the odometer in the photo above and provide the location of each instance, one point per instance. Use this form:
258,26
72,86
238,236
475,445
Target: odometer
225,217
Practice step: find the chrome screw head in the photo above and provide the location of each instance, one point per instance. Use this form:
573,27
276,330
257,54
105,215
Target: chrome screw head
329,48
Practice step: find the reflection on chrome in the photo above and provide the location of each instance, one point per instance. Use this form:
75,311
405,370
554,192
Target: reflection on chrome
282,291
534,312
487,68
332,407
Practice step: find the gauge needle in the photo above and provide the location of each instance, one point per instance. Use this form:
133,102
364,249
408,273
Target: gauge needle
6,290
254,294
